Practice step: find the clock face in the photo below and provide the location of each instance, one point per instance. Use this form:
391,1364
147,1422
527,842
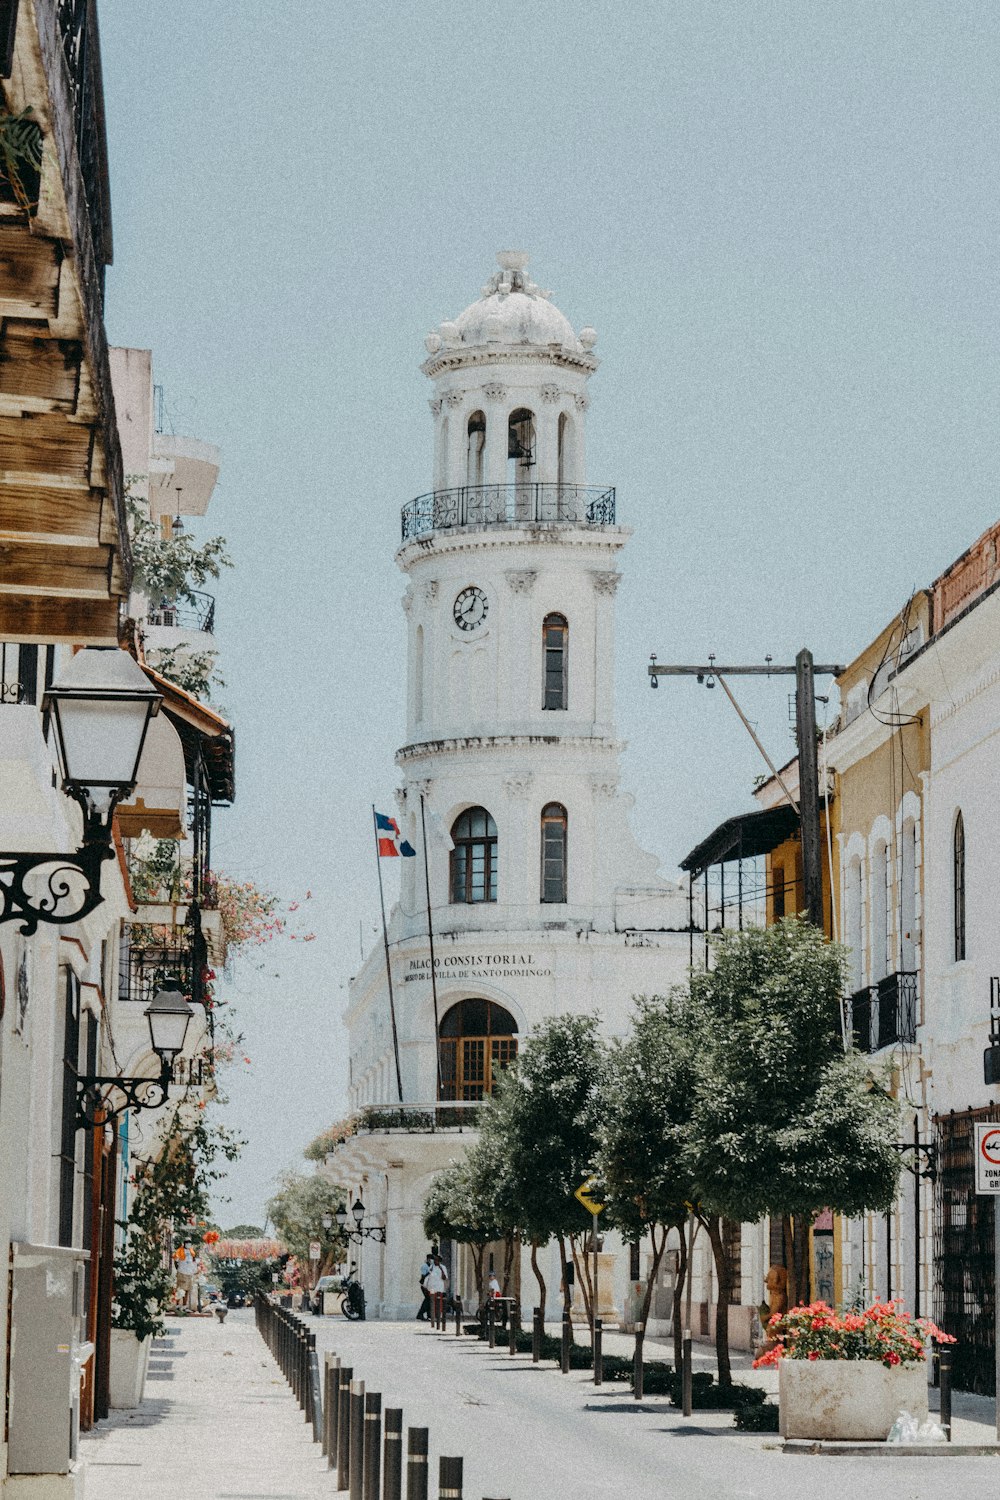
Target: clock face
470,609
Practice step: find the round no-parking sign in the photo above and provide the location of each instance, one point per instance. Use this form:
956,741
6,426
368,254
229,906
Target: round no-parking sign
988,1158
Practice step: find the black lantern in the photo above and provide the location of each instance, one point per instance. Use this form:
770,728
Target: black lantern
99,710
168,1016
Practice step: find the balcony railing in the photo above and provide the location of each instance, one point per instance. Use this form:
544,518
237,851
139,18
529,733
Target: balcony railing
18,673
77,20
418,1118
885,1013
508,505
142,971
190,1072
194,613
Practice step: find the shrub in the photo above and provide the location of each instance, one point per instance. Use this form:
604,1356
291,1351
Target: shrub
756,1416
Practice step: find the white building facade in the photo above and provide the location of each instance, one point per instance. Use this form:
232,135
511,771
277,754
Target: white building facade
541,900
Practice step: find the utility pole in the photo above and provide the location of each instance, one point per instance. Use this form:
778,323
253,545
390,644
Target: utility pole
806,736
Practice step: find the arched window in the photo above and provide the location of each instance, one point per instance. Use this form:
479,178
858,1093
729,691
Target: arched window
476,1042
554,852
563,445
474,857
521,462
958,877
476,448
908,898
855,938
555,653
880,912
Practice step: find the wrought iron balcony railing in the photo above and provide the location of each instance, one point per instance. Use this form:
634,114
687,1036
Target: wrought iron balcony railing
142,971
18,673
508,505
194,613
418,1118
885,1013
77,21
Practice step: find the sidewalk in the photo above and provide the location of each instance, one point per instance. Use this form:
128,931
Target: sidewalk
218,1423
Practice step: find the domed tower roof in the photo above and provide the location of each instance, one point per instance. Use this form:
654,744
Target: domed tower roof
512,312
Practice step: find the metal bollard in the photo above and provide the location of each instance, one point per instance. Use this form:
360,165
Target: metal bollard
315,1390
392,1454
458,1317
327,1403
686,1374
491,1323
512,1323
450,1479
537,1333
357,1440
416,1463
598,1351
566,1334
373,1445
344,1427
640,1336
944,1366
484,1317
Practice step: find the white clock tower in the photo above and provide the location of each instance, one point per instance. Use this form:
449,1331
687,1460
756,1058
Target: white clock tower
541,900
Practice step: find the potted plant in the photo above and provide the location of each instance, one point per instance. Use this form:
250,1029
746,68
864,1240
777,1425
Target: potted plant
141,1288
845,1377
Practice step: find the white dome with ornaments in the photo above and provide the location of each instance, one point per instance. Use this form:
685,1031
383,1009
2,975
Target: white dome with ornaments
513,310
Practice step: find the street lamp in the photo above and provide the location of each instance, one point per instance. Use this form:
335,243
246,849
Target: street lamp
99,710
168,1016
327,1221
359,1232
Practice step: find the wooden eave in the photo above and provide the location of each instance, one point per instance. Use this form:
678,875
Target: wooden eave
202,731
65,564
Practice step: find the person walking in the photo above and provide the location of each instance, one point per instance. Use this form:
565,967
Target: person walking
437,1285
425,1306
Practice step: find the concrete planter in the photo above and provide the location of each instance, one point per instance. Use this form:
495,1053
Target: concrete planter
129,1358
854,1400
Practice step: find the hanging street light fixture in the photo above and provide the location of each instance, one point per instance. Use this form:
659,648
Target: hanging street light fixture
168,1016
99,710
360,1231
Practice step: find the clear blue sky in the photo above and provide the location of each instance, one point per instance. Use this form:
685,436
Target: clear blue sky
781,218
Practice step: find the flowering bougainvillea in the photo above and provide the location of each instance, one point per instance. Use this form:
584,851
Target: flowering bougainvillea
251,915
883,1332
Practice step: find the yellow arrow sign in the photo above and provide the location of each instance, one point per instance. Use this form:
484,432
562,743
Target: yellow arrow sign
582,1194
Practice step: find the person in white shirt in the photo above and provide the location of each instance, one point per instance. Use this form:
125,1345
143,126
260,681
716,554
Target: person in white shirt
425,1306
436,1284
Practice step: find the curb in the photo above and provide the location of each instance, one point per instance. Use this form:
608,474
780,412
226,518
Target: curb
891,1450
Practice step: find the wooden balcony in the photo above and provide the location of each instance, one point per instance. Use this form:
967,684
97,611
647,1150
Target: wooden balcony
64,557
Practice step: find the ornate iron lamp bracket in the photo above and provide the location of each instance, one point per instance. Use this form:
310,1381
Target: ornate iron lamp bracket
373,1232
92,1100
53,888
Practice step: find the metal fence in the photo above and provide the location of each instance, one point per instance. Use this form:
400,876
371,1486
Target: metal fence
965,1296
508,505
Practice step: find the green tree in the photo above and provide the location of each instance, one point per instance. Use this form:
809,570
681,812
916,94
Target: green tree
463,1205
645,1105
784,1122
297,1210
541,1126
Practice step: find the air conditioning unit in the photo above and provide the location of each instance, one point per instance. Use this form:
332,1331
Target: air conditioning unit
46,1324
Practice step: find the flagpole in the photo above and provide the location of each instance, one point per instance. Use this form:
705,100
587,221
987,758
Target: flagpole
430,937
388,966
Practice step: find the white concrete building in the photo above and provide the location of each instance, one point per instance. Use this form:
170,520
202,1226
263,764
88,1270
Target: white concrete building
542,901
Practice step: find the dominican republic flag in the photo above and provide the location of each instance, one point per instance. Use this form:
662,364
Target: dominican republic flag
390,841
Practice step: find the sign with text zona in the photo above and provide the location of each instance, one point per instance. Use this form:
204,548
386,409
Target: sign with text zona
988,1158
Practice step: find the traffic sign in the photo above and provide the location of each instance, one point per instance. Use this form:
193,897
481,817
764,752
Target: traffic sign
988,1158
315,1249
583,1195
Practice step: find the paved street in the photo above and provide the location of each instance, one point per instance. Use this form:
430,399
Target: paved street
221,1424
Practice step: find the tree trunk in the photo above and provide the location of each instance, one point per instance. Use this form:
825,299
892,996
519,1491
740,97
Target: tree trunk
508,1261
654,1271
563,1283
788,1236
802,1268
682,1271
723,1272
581,1260
538,1275
478,1255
